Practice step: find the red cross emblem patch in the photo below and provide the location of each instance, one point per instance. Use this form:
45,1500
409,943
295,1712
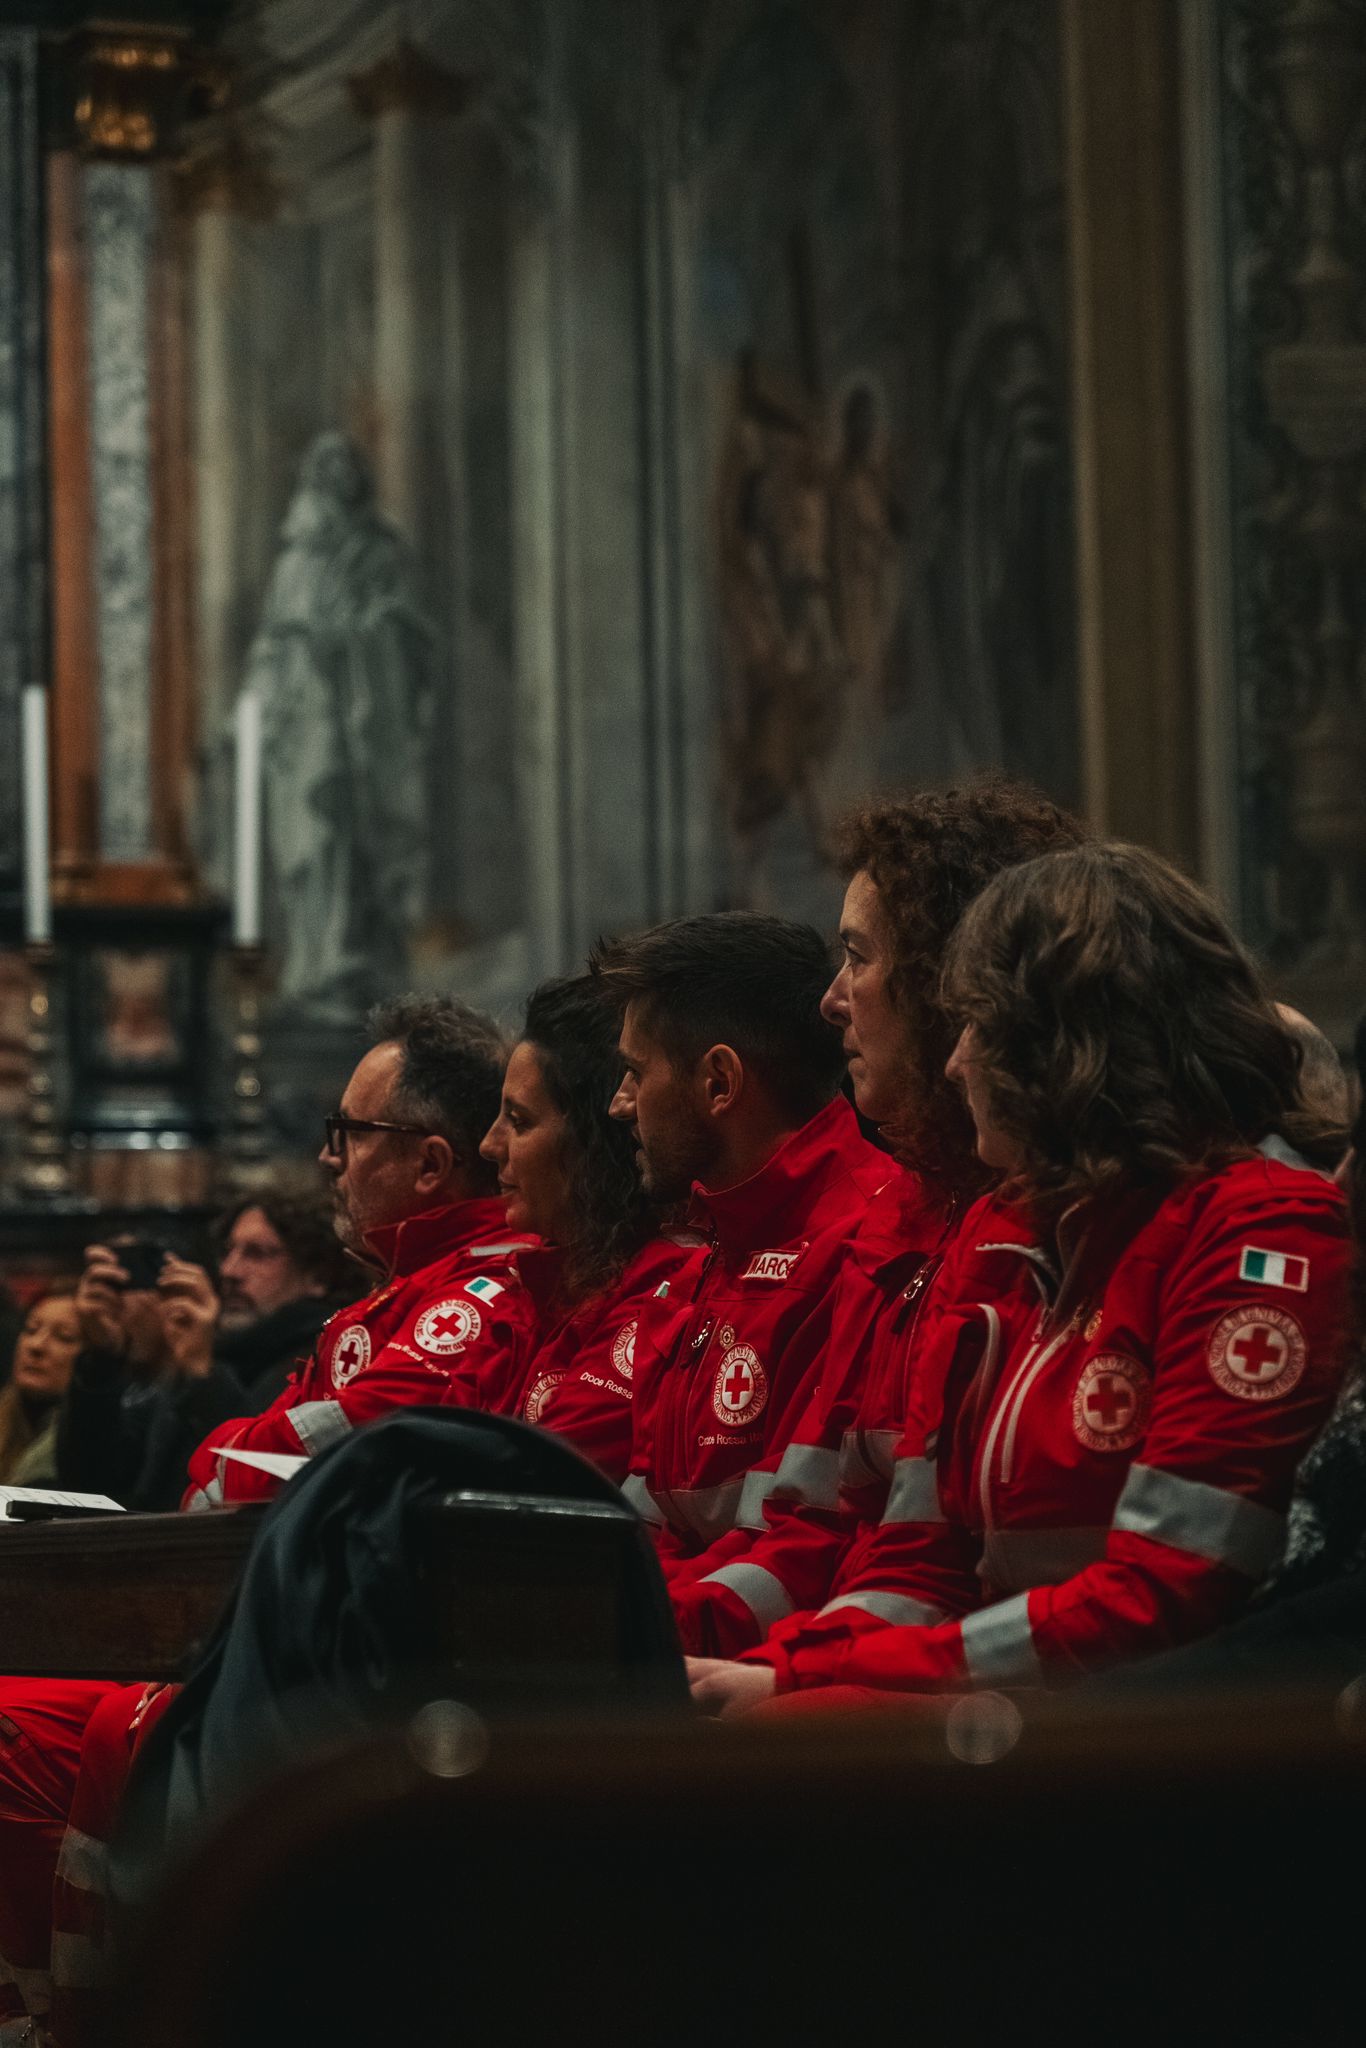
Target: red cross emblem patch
624,1351
1258,1353
1110,1406
350,1354
447,1327
533,1408
740,1392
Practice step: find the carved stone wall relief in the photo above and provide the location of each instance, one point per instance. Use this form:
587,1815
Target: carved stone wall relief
1294,84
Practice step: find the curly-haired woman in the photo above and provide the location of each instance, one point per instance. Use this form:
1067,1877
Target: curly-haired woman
912,864
569,1174
1139,1332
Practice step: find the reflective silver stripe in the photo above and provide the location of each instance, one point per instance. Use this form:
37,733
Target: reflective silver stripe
1187,1514
493,1251
897,1607
764,1595
210,1496
806,1473
83,1862
998,1644
637,1494
33,1986
867,1454
79,1964
318,1424
706,1511
1013,1559
915,1492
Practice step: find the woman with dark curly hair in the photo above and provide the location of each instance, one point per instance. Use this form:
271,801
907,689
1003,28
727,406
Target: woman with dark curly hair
1138,1332
912,864
569,1174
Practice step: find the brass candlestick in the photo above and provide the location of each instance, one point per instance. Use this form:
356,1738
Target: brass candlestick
43,1169
246,1164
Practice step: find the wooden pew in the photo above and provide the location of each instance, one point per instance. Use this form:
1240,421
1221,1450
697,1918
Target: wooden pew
116,1596
526,1591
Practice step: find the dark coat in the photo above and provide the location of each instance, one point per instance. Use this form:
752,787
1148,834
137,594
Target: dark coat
133,1440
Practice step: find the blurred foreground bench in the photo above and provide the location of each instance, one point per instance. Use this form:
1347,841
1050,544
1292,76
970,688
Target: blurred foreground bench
1180,1874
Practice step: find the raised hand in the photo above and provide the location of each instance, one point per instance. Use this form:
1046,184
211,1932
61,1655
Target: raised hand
99,1301
189,1314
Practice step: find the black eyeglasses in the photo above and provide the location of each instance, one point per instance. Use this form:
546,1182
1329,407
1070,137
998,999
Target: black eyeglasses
338,1127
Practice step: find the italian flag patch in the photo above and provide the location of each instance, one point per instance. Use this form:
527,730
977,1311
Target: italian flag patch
482,1288
1274,1269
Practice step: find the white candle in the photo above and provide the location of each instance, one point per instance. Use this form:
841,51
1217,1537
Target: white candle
246,872
37,850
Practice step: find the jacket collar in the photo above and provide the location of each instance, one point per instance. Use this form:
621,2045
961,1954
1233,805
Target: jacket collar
774,1205
417,1241
1087,1240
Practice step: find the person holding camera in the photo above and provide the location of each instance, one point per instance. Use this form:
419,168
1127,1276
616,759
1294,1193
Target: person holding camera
147,1385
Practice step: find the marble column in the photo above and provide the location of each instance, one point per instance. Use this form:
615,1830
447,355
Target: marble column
113,287
540,595
23,540
120,225
226,188
403,95
1136,606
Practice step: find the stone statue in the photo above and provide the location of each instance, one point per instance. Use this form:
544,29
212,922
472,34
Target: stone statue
344,660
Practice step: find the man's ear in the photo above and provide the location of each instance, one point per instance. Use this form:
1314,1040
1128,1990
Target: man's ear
435,1163
723,1079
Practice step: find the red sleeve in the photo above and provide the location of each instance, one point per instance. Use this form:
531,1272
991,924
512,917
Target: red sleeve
398,1376
1200,1518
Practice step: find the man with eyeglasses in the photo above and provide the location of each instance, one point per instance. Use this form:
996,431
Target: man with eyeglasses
413,1198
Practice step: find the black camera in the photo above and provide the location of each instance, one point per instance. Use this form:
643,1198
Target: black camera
141,1261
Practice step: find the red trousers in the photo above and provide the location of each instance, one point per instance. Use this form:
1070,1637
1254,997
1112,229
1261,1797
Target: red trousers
66,1748
42,1724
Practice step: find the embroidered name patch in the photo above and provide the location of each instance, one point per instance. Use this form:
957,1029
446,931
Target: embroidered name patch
772,1265
624,1350
1257,1353
1110,1406
1274,1269
534,1405
447,1327
350,1354
740,1392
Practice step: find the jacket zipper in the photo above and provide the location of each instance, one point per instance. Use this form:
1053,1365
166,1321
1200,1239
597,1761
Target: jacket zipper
987,1371
1008,1446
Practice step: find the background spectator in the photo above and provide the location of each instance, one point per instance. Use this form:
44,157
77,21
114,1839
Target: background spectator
44,1355
281,1273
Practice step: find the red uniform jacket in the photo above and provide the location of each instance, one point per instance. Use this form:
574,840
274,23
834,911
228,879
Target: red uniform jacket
581,1379
726,1359
1119,1436
450,1308
832,1479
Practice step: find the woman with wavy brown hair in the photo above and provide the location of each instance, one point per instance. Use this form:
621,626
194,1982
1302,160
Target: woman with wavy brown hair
1138,1332
568,1173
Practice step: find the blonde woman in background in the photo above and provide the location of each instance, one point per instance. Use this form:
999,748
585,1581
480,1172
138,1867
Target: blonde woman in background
44,1355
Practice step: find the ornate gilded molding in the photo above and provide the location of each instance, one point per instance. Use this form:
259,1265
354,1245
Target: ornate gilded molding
409,80
131,89
227,169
